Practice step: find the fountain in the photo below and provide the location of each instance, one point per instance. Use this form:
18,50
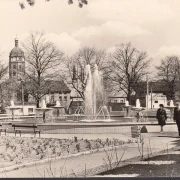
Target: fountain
78,112
171,108
94,107
58,107
12,103
138,106
171,103
128,108
43,109
12,107
138,111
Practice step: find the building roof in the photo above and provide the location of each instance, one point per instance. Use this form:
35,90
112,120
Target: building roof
16,52
57,86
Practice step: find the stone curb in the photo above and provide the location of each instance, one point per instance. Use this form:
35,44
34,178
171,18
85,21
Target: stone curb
106,124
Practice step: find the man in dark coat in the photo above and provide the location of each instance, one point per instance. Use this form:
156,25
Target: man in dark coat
177,117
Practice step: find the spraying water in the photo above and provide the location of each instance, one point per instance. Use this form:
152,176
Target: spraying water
138,105
94,94
88,92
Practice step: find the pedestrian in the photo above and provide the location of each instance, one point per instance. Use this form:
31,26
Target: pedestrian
161,116
44,116
177,117
138,116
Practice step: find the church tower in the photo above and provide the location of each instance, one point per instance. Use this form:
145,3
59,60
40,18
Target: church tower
16,63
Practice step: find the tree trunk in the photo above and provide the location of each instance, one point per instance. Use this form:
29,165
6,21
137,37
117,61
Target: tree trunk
129,96
37,103
39,85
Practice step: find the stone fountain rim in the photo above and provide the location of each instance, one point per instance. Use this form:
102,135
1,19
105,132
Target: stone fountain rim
58,107
43,108
169,106
14,107
140,108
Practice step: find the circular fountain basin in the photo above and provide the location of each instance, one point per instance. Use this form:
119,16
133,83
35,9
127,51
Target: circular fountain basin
169,107
127,106
44,108
97,120
58,107
138,108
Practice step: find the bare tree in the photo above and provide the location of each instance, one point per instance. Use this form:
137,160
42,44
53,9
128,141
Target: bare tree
42,56
128,66
168,73
32,3
76,66
3,88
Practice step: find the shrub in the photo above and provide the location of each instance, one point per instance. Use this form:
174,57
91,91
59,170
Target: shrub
89,146
75,139
78,147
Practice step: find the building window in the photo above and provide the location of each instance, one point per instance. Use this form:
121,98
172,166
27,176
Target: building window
19,66
65,98
52,98
115,101
30,110
60,98
14,66
121,101
155,101
14,73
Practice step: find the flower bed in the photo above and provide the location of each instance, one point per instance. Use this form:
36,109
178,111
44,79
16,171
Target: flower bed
17,150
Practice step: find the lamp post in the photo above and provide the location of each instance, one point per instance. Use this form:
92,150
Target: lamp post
22,91
147,93
75,76
151,96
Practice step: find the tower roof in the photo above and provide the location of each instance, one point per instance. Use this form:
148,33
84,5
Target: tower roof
16,51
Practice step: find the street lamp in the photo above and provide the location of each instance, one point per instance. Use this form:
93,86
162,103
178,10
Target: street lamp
22,92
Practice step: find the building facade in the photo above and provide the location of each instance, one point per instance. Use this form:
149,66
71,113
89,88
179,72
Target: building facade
16,73
153,100
157,94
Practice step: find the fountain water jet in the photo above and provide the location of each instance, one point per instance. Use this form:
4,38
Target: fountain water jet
43,109
60,109
94,95
171,108
13,108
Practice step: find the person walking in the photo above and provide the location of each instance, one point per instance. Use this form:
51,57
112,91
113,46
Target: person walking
177,117
161,116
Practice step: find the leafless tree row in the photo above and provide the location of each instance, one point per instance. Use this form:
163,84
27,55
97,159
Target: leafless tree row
168,72
121,70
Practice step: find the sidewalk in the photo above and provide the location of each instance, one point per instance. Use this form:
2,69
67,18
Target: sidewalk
73,166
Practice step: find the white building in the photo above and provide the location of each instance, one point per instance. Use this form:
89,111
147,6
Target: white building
155,99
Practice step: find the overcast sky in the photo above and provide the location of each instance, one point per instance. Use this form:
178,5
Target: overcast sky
151,25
